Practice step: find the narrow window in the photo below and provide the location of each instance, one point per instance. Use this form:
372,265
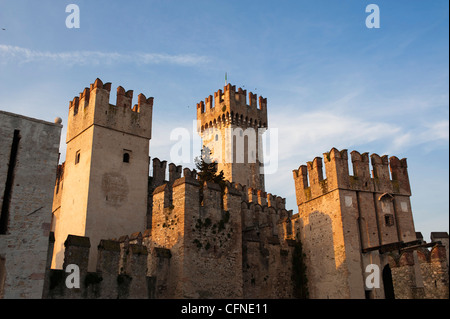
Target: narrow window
126,157
9,183
389,220
77,157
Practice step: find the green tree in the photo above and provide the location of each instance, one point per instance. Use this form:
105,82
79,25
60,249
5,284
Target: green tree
207,172
207,169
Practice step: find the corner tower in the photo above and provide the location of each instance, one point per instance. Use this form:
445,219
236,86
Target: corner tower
232,130
104,194
348,222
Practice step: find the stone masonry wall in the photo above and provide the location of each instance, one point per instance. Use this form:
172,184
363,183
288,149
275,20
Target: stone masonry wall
342,215
196,248
23,246
232,130
105,177
424,278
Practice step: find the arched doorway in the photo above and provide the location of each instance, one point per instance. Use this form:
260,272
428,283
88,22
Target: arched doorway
387,283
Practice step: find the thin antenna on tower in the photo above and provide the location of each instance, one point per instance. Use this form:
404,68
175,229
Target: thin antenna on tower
226,79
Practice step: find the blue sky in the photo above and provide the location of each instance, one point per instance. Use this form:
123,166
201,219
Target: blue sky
329,80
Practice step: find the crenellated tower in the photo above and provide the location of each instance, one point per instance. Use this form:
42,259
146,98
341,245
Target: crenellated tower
106,168
348,221
231,128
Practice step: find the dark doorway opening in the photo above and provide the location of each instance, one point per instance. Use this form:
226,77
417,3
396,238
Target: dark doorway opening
387,283
2,276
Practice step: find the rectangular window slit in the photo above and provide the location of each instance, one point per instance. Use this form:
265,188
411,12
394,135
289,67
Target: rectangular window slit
77,157
4,217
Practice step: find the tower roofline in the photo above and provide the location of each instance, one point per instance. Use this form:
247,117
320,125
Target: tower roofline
92,107
230,107
389,175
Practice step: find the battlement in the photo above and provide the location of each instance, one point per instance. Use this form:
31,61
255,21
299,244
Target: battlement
159,175
178,174
436,254
257,208
92,107
125,268
389,175
230,107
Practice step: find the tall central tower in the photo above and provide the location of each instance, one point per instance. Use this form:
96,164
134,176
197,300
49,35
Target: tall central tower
232,130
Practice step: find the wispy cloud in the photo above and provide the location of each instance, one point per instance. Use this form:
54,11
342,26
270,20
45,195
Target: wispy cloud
17,54
305,136
429,135
319,131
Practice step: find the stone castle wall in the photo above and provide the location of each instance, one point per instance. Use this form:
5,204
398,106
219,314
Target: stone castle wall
347,222
194,239
27,177
420,274
204,243
102,186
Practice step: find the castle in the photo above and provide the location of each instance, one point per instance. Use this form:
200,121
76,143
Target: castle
138,236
